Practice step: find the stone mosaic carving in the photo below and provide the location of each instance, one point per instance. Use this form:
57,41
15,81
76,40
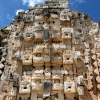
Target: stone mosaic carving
50,53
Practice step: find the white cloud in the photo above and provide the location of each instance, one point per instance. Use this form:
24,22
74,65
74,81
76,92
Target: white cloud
19,10
80,1
31,3
72,2
1,19
75,3
9,17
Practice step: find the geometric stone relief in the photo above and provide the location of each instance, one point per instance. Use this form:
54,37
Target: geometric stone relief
50,53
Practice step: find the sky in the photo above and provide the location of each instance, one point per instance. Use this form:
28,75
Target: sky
10,8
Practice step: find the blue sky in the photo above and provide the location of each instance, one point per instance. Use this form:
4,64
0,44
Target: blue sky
9,8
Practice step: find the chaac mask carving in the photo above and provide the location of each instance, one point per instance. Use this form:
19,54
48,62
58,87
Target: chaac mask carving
50,52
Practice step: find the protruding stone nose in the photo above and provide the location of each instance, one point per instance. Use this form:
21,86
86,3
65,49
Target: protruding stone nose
47,89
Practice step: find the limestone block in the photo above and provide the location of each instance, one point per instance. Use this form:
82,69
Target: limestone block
47,73
54,16
77,54
98,96
34,95
38,29
18,35
57,85
98,86
70,96
14,91
80,63
47,48
64,5
57,76
95,64
76,41
94,57
53,97
92,51
69,87
66,33
16,45
56,28
37,85
80,90
24,88
18,55
38,59
26,77
24,97
87,52
28,18
87,59
80,80
46,58
89,75
98,79
57,73
67,57
63,46
54,92
38,76
56,58
38,17
98,55
38,23
98,62
96,71
21,25
89,80
1,66
78,32
28,36
46,26
3,59
38,11
40,99
19,18
60,95
38,35
64,16
98,47
86,45
38,48
94,31
56,48
55,35
27,57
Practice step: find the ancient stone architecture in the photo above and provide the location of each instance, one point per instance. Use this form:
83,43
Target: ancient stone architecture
50,52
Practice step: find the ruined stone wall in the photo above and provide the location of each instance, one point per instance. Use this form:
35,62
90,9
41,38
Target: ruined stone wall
50,52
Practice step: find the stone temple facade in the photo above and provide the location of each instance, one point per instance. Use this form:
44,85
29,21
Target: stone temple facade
50,52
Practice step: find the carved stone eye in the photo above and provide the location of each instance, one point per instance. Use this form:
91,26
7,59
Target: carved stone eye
17,34
67,59
66,34
69,86
25,87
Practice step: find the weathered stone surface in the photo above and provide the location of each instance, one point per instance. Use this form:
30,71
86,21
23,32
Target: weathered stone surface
50,53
